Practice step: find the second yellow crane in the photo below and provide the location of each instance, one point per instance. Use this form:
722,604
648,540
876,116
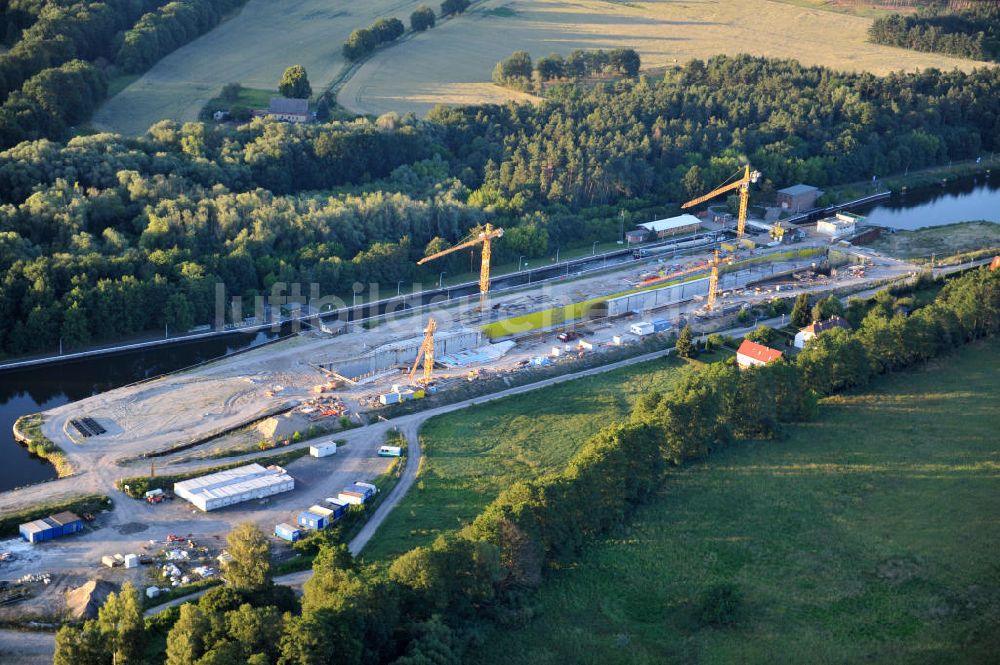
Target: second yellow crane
743,184
486,236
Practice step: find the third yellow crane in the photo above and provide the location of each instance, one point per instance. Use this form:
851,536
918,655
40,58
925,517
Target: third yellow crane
486,236
426,353
743,184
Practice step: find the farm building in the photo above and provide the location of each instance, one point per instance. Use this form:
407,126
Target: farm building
751,353
817,327
288,110
233,486
672,226
54,526
798,197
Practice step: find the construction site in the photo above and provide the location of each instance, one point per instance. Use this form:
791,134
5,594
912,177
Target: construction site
331,387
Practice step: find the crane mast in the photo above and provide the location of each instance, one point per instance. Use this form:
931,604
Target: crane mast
426,353
713,282
484,237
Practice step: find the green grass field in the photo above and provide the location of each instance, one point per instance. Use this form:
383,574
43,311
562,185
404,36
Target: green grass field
869,535
471,455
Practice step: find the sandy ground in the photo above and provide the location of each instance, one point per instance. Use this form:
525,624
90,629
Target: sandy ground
940,240
453,63
253,48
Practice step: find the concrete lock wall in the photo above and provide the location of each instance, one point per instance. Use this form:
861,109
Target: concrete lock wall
405,352
669,295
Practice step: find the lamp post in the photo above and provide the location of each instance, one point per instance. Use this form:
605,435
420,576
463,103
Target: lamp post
519,259
593,250
398,285
441,279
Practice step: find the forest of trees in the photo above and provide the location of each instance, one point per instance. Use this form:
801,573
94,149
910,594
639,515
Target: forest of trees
967,30
433,601
97,234
65,41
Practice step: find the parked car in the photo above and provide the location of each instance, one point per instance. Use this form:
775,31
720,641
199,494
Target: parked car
567,336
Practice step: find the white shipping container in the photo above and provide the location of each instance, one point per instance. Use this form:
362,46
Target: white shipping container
642,328
355,498
323,449
131,561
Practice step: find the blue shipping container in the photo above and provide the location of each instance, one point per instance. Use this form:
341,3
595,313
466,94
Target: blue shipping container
659,325
312,520
287,532
367,491
40,530
338,509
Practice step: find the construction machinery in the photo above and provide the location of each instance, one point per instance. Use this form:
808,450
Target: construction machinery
486,236
426,353
743,184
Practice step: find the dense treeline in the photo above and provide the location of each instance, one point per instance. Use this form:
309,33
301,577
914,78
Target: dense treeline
434,601
67,31
518,72
51,38
15,16
363,41
168,28
51,101
969,31
94,231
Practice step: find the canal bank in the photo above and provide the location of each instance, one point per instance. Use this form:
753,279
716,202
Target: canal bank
28,391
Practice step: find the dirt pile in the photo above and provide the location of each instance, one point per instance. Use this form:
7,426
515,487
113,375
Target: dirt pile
84,601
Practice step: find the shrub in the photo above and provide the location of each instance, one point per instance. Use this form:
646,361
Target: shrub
422,18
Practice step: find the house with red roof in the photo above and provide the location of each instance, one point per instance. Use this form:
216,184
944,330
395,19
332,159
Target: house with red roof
751,353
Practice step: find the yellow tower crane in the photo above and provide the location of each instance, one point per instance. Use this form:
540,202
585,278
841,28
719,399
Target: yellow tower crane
743,184
713,282
426,353
486,237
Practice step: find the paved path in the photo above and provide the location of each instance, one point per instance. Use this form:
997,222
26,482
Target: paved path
26,648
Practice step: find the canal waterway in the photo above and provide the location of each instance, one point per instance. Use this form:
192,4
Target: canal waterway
48,386
33,390
964,200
